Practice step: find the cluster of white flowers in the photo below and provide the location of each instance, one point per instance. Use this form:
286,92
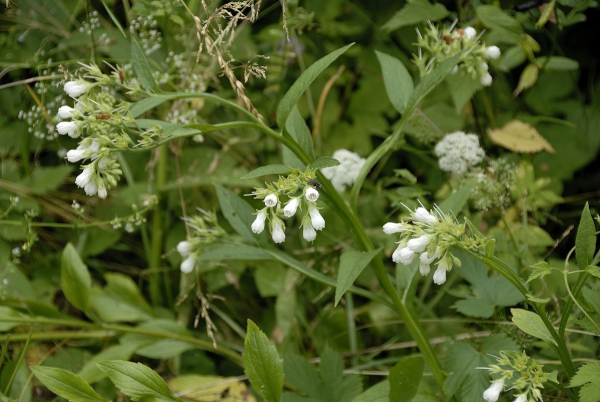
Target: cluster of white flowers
429,236
458,151
205,230
311,222
345,174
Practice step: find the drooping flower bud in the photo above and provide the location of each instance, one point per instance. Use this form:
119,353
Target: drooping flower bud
469,32
493,52
493,392
187,265
486,79
102,193
311,194
308,232
317,220
419,244
392,227
91,188
75,155
277,233
65,112
75,89
84,177
184,248
421,214
68,127
259,223
291,207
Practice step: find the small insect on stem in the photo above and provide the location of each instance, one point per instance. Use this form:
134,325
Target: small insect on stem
315,183
103,116
121,76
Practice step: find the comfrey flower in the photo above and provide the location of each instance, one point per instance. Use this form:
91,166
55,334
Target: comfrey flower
84,177
458,151
521,398
308,232
271,200
345,174
204,230
87,149
187,265
68,127
493,52
493,392
66,112
75,88
315,217
184,248
392,227
311,194
291,207
259,223
277,230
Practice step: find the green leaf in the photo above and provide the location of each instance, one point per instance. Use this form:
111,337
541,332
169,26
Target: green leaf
593,270
45,179
292,96
487,292
531,324
352,263
146,104
432,79
302,375
379,392
462,363
405,378
141,67
335,387
414,12
75,278
592,296
7,317
496,19
156,346
237,252
457,200
558,63
123,288
296,127
462,87
91,373
262,364
585,242
323,162
540,269
588,378
66,384
137,381
398,82
239,214
111,309
269,169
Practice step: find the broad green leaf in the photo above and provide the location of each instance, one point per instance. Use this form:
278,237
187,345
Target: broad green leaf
496,19
531,324
66,384
462,87
432,79
8,317
301,375
111,309
292,96
323,162
270,279
352,263
91,373
585,242
405,378
269,169
239,214
146,104
141,67
487,292
296,127
159,347
512,58
588,378
123,288
237,252
335,387
262,364
593,270
457,200
210,388
540,269
44,179
379,392
137,381
414,12
558,63
75,278
464,379
398,82
592,296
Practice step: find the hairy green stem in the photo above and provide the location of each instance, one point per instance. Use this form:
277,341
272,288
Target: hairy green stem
569,304
157,230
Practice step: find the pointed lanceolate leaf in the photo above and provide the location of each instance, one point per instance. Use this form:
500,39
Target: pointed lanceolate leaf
292,96
352,263
75,278
323,162
141,67
405,378
137,381
269,169
531,324
239,214
262,364
296,127
585,243
66,384
398,82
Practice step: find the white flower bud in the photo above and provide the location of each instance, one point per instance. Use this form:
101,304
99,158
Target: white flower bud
271,200
317,220
75,155
425,259
75,89
470,33
259,223
493,52
184,248
308,232
65,112
187,265
68,127
291,207
278,234
419,244
84,177
521,398
493,392
102,193
311,194
392,227
485,66
486,79
439,277
91,188
421,214
424,269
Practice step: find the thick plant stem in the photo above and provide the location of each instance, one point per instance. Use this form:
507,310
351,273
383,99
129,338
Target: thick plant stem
157,230
560,348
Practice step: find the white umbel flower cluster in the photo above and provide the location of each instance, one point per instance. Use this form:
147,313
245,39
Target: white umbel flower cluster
458,151
345,174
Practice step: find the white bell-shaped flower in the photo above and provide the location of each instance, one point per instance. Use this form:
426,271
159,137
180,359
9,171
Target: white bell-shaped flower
102,193
311,194
184,248
187,265
418,244
493,392
392,227
271,200
92,187
66,112
68,127
75,89
259,223
75,155
277,233
308,232
317,220
493,52
84,177
486,79
469,32
291,207
421,214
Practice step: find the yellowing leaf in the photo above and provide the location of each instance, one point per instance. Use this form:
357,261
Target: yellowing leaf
520,137
210,388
